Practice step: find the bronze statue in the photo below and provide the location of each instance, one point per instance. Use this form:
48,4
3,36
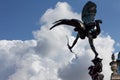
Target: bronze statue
88,28
96,69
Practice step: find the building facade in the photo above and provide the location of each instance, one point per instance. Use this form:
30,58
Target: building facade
115,67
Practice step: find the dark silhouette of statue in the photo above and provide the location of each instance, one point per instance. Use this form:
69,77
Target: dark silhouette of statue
96,69
88,27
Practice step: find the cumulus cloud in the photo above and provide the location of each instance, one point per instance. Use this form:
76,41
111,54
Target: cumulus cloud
78,68
47,57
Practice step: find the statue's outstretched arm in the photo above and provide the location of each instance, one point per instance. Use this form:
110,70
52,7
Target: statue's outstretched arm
92,47
75,41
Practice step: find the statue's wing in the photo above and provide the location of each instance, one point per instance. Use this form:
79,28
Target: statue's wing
72,22
89,12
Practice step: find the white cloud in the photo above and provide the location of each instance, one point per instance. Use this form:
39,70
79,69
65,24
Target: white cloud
78,68
52,15
47,56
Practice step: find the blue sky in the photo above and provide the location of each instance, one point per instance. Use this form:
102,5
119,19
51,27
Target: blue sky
18,18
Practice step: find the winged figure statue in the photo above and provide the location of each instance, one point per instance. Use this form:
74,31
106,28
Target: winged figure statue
88,27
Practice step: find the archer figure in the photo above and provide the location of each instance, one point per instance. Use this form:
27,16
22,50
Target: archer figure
88,28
